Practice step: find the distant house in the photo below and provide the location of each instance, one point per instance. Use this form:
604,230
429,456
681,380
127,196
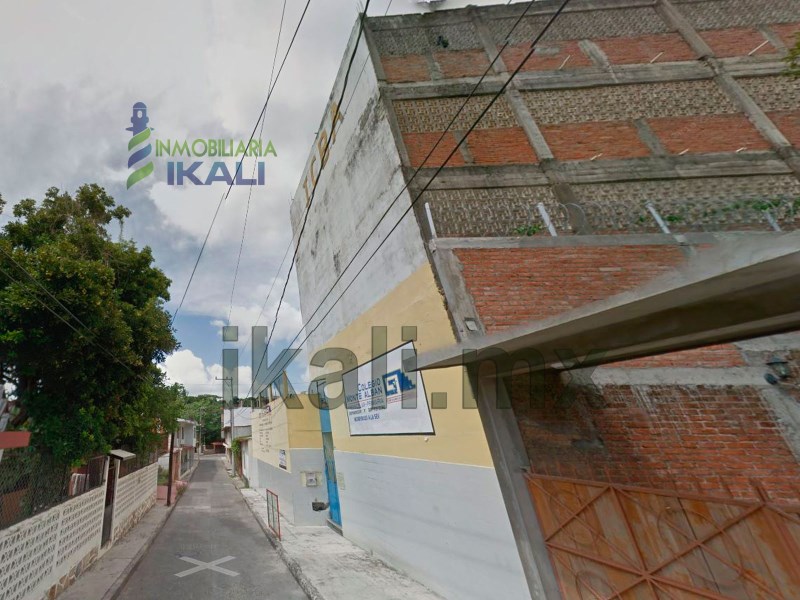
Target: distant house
187,433
241,427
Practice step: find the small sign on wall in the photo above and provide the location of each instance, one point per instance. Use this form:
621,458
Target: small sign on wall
282,459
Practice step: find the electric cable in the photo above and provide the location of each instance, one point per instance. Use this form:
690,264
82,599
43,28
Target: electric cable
505,85
255,162
238,166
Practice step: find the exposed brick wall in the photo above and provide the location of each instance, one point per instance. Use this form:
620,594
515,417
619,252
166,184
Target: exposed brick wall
580,141
787,32
464,63
789,124
547,57
737,42
643,49
694,439
719,14
711,133
511,286
419,144
402,69
435,114
500,146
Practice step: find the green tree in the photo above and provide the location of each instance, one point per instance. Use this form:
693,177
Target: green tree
83,392
206,409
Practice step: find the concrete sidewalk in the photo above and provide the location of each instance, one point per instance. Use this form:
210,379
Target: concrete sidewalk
329,567
105,578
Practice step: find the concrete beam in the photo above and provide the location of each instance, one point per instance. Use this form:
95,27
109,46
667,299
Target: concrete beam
583,241
511,463
585,171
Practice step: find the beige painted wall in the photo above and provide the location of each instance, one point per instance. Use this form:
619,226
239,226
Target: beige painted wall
459,436
281,428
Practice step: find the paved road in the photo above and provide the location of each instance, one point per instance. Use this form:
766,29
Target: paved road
211,523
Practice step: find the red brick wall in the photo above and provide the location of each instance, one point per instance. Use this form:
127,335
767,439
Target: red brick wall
500,146
736,42
579,141
419,144
462,63
696,439
643,49
546,61
789,124
515,285
401,69
787,32
709,133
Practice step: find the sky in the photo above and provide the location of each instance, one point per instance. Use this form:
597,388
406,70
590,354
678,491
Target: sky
69,75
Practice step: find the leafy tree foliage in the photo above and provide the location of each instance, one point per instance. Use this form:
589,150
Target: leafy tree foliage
206,410
83,392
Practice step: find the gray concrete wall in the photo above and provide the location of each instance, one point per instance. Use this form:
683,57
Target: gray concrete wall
442,523
295,499
360,180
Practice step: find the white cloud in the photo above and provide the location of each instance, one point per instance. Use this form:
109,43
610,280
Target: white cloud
198,378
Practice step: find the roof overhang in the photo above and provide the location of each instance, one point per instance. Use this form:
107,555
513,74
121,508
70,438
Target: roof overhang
122,455
732,292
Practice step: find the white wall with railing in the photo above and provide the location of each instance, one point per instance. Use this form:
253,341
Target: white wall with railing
135,494
41,555
40,552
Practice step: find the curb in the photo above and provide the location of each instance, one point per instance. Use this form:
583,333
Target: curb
116,588
294,567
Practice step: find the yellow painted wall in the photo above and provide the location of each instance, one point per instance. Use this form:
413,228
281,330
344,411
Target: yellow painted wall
459,436
304,427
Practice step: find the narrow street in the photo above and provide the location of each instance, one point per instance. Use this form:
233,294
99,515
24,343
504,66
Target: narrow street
211,547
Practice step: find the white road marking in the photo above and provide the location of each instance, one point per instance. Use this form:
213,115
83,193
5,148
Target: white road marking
211,566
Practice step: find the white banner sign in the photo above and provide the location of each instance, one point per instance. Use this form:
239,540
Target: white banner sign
382,399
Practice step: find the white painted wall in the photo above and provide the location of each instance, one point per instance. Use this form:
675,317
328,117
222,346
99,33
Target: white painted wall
246,458
295,499
360,180
444,524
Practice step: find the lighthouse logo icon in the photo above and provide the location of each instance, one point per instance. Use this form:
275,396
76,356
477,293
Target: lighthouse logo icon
139,145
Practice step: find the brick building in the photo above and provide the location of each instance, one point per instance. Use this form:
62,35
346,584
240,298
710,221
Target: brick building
640,136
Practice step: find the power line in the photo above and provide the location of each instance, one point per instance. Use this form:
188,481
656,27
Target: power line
255,162
239,164
363,66
391,204
436,173
89,338
323,161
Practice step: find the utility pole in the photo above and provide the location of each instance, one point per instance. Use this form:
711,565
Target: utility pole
230,383
169,477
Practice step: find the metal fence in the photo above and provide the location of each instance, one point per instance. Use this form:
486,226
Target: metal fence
139,462
187,459
32,482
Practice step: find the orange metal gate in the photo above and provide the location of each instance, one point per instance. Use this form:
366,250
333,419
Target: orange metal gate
613,541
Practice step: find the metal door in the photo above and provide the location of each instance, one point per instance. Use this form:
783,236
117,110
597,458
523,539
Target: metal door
619,542
334,512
